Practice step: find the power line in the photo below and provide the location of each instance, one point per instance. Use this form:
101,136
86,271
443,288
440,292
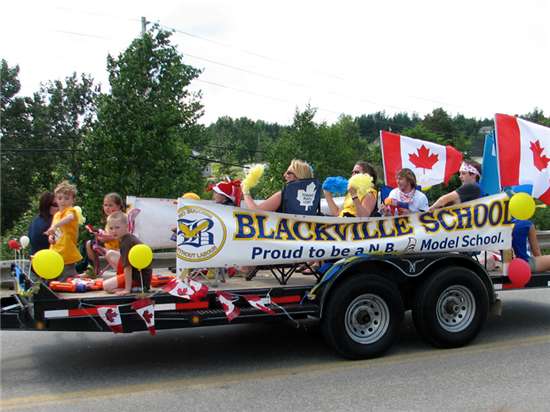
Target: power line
260,95
262,56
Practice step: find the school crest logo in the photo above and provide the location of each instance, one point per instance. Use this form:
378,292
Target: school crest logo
201,234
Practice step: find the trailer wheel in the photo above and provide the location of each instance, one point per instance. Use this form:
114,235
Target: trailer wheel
362,317
451,307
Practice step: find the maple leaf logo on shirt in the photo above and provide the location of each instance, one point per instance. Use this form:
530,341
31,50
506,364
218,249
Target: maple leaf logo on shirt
423,160
306,197
539,160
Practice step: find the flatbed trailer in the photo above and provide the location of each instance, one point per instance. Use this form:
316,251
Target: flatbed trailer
360,303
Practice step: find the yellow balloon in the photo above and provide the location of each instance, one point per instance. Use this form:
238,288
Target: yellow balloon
522,206
47,263
140,256
191,195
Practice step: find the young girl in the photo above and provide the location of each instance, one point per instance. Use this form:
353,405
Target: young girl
112,202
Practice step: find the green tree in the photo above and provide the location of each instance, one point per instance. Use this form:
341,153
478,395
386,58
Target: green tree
42,137
14,129
147,126
330,149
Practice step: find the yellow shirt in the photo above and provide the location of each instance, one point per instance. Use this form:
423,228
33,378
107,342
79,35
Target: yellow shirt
349,206
112,244
66,237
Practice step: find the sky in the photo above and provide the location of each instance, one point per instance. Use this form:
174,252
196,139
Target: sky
266,59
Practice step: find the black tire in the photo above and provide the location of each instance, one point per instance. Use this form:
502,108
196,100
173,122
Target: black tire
450,307
362,316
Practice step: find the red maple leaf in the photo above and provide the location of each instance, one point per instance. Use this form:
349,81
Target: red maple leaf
110,315
424,160
147,316
539,160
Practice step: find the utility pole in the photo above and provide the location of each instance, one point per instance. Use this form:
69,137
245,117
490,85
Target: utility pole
144,23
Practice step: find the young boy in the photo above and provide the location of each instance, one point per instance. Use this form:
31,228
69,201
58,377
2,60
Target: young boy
63,233
117,225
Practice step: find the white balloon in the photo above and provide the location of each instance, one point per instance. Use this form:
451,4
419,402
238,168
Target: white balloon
24,241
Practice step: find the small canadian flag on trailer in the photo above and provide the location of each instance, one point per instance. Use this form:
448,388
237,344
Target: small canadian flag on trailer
260,303
111,316
227,301
146,309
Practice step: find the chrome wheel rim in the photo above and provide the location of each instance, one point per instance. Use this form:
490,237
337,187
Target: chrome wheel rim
367,319
456,308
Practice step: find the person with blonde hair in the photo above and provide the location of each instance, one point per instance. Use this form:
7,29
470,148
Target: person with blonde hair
131,277
63,232
300,195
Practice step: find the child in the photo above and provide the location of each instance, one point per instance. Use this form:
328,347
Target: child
405,198
228,193
63,233
112,202
117,224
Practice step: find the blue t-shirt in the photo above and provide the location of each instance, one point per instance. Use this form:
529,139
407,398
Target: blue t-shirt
37,237
519,238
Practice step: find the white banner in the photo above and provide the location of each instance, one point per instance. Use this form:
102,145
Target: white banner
213,235
155,218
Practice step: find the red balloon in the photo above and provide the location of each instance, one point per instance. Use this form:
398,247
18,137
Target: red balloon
14,244
519,272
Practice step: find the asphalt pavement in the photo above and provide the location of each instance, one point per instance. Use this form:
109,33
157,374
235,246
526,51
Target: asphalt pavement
278,367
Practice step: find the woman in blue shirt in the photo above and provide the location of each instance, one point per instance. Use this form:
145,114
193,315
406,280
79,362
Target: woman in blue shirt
46,209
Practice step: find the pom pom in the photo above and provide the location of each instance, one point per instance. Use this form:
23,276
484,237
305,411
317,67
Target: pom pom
337,185
361,182
79,215
252,178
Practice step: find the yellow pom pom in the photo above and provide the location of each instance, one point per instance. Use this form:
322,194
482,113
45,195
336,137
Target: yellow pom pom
252,178
79,215
361,182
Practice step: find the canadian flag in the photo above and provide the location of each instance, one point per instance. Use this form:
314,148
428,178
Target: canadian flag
179,289
200,290
523,150
260,303
227,301
146,309
111,316
431,163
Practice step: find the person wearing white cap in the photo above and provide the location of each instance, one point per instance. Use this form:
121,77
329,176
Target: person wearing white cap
469,174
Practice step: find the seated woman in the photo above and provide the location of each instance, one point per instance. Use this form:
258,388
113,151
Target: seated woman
355,205
524,234
300,195
405,198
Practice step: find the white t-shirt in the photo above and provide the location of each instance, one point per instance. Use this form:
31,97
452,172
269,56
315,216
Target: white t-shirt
419,202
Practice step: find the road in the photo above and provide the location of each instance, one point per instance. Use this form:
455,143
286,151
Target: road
280,368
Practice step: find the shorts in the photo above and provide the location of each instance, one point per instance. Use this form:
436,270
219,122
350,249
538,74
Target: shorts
121,282
532,263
